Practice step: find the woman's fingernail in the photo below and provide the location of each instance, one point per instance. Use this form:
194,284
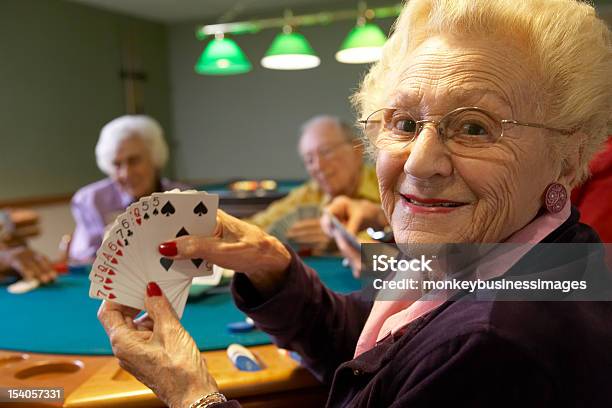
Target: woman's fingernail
168,248
153,289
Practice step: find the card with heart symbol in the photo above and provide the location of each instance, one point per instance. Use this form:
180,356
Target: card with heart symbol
128,258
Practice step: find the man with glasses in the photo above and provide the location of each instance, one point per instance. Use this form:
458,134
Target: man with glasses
333,157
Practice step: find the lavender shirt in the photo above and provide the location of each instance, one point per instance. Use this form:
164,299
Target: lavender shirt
94,207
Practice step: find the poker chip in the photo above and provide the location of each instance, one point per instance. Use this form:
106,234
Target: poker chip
240,327
23,286
242,358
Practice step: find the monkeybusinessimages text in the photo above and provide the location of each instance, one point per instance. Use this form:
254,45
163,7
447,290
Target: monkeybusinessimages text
423,265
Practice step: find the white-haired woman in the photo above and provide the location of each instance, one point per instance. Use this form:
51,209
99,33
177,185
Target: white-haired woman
483,115
132,151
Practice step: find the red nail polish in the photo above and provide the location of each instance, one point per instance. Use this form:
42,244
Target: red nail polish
153,289
168,248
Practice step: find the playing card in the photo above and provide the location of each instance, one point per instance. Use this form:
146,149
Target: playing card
116,293
180,214
309,211
134,217
112,271
281,226
118,251
128,258
348,237
211,280
145,209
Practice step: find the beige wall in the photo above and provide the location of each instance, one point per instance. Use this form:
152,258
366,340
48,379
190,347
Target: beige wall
55,221
59,83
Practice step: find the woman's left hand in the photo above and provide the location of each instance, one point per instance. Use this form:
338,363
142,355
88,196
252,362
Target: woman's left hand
157,350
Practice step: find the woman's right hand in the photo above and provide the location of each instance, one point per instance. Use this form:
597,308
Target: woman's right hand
236,245
157,350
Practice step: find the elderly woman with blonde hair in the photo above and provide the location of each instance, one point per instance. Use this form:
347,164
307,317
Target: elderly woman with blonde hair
132,151
482,115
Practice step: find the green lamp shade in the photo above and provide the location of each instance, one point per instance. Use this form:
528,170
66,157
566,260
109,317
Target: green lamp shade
222,56
362,45
290,51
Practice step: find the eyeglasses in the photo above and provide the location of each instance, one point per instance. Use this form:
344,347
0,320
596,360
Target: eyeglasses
471,127
324,153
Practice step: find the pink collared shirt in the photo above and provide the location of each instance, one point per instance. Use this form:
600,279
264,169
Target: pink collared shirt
390,317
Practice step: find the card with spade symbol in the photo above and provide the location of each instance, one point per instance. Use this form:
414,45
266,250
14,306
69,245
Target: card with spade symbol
180,214
128,258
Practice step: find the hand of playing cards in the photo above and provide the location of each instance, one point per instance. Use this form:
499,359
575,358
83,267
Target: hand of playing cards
281,226
129,259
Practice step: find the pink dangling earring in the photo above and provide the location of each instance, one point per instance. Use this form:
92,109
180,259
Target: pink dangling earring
555,197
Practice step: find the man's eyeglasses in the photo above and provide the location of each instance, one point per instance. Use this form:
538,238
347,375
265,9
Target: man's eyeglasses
323,153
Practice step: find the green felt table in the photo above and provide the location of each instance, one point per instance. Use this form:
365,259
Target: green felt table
61,318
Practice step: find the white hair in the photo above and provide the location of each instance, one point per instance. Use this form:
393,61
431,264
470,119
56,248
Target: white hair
124,127
347,130
568,45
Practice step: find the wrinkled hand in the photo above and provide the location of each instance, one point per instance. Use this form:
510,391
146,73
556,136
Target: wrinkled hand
309,233
28,264
237,245
157,350
355,214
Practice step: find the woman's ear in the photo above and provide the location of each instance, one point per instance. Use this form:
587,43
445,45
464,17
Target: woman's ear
571,172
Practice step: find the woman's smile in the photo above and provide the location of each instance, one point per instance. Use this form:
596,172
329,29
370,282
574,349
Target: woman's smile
424,205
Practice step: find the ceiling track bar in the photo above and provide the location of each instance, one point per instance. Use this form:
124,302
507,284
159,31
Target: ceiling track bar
304,20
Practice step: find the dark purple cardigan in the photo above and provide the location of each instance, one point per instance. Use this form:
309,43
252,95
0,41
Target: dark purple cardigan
465,353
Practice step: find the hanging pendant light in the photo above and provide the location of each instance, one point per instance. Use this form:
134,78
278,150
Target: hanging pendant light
362,45
222,56
290,51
